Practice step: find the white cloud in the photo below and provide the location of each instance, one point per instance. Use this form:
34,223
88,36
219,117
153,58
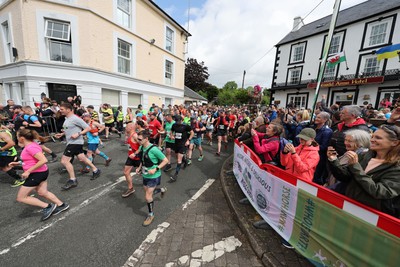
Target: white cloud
231,35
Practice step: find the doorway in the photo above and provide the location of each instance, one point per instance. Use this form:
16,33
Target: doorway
60,92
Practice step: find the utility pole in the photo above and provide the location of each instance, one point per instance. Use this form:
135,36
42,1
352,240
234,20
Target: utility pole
244,74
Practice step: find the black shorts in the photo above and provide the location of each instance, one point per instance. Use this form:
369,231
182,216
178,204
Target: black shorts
4,161
222,132
181,149
109,125
154,140
132,162
73,150
170,145
35,178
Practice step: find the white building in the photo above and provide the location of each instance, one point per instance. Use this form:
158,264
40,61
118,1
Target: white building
123,52
360,31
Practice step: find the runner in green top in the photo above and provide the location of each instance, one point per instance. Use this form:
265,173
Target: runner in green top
169,143
152,161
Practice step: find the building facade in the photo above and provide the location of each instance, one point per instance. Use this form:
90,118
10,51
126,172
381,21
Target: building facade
362,79
121,52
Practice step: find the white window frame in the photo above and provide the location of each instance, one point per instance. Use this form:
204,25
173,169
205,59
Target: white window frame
336,43
170,39
119,10
122,57
301,97
169,80
293,53
64,24
330,72
118,36
368,58
370,26
291,76
7,42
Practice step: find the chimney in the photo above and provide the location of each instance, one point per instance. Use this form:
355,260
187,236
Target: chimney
297,23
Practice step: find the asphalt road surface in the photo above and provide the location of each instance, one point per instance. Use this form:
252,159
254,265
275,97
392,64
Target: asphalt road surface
101,228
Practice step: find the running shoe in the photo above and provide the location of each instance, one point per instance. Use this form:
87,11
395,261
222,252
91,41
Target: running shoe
189,162
108,162
173,178
218,154
168,167
53,159
163,191
119,134
61,208
96,174
148,220
210,143
17,182
128,192
70,184
48,211
200,158
84,170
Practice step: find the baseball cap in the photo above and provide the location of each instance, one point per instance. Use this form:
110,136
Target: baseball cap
307,134
139,115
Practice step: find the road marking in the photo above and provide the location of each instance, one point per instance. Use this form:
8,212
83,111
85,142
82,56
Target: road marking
66,214
150,239
208,253
208,183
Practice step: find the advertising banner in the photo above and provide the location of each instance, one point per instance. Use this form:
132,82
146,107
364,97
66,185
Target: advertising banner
326,235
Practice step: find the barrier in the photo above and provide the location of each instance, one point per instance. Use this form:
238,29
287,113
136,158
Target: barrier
327,228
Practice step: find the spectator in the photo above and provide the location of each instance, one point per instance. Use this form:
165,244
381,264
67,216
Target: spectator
303,120
10,104
357,141
324,134
374,177
302,160
244,132
45,110
269,146
333,108
350,116
54,107
259,126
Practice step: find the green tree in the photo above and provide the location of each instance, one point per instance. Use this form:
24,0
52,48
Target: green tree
196,75
242,96
231,85
226,97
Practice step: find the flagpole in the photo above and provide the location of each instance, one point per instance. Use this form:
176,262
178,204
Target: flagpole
336,8
347,66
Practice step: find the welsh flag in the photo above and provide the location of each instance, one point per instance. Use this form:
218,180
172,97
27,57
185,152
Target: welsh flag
336,59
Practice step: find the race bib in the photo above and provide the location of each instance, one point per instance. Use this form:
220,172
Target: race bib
222,127
178,135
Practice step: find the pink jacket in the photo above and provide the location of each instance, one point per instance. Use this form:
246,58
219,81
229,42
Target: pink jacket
268,148
303,163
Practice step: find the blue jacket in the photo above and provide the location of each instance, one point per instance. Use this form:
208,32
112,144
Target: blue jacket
323,137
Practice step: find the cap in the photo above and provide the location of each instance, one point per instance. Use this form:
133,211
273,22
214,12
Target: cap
307,134
90,106
139,115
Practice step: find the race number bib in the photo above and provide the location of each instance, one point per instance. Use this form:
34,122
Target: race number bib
222,127
178,135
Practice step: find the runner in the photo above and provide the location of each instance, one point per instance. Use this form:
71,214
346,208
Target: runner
169,143
197,128
222,126
209,127
179,133
155,129
133,160
108,118
36,173
93,140
74,129
152,161
8,154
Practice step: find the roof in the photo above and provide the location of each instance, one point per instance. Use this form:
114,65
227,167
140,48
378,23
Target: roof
169,17
192,94
347,16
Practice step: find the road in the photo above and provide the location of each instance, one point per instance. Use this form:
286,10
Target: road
101,228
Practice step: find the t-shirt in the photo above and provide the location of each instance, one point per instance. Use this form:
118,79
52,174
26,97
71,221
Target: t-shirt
73,124
28,157
155,156
168,126
181,133
154,126
198,125
108,113
373,163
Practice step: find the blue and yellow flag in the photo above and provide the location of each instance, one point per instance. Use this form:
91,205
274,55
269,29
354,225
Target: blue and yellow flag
388,51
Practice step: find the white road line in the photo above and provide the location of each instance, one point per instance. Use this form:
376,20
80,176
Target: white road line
150,239
207,254
208,183
66,214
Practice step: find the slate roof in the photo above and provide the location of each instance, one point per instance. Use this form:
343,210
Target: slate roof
192,94
347,16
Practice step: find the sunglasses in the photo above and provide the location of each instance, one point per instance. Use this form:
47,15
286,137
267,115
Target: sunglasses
140,139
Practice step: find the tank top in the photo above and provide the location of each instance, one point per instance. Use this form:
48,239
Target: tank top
11,152
133,147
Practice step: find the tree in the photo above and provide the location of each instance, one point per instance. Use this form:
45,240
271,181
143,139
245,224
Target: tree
242,96
230,86
196,75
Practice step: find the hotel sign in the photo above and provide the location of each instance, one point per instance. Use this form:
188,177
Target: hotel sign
352,82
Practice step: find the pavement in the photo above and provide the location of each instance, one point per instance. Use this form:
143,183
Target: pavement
266,243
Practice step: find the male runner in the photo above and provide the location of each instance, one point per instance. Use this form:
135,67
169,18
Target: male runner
198,129
222,126
169,143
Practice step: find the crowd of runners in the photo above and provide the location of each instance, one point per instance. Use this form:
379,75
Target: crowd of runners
325,148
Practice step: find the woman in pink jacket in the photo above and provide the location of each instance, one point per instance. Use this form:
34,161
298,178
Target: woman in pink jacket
266,144
302,160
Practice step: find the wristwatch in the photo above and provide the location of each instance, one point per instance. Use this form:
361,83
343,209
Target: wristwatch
157,168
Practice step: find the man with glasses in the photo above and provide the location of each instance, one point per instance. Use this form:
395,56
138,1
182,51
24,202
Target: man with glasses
153,160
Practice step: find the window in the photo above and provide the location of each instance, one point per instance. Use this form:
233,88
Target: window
58,35
335,45
124,57
168,101
169,39
124,13
298,100
330,71
7,41
377,32
297,53
371,65
294,76
169,68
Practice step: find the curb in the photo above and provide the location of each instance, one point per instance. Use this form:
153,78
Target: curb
265,243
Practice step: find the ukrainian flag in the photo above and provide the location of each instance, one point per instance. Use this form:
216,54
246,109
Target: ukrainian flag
388,51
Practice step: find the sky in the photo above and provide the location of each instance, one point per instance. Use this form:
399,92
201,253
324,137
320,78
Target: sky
231,36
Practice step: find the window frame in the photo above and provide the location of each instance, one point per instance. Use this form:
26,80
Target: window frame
171,83
68,39
389,32
119,56
7,41
172,39
51,40
306,95
128,12
292,50
342,35
289,75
